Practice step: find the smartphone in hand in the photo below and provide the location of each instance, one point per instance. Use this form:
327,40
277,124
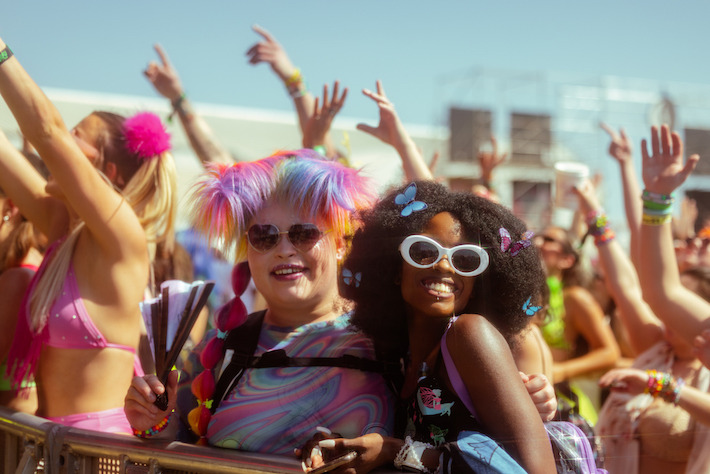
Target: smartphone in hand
335,463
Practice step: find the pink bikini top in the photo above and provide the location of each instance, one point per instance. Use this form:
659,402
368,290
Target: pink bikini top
69,324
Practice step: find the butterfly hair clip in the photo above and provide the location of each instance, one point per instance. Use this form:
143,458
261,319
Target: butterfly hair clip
407,199
350,279
507,244
529,309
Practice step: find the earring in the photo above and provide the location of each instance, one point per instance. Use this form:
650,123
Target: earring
6,217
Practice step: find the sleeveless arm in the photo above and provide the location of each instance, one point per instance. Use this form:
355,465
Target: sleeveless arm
483,359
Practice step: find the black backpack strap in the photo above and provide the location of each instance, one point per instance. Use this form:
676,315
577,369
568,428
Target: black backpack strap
243,340
278,358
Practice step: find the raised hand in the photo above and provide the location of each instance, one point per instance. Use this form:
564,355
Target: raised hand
139,404
390,129
588,200
319,123
488,161
663,169
620,146
164,77
271,52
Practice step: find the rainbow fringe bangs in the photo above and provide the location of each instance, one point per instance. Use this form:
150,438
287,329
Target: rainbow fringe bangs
229,196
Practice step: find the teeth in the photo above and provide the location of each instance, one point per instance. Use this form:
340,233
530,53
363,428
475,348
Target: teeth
440,287
287,271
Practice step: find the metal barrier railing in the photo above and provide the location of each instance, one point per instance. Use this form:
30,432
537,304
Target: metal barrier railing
33,444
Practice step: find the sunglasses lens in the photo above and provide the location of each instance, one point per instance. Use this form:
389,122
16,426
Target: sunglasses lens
263,237
465,260
304,236
424,253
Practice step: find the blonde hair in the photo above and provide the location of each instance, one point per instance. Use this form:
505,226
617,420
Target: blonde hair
151,193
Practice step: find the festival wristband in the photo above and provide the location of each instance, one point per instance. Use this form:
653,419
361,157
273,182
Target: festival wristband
658,198
655,220
5,54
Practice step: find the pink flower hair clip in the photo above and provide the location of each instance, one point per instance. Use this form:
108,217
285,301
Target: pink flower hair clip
145,135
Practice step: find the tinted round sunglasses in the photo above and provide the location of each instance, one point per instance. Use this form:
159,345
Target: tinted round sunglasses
264,237
422,252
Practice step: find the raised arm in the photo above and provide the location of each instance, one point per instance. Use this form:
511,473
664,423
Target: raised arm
166,81
663,172
642,326
108,217
269,51
587,318
620,149
26,187
391,131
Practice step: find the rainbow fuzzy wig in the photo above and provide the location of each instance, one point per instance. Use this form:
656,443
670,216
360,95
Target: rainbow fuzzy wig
229,196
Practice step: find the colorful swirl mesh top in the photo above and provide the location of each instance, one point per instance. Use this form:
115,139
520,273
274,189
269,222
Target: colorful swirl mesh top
278,409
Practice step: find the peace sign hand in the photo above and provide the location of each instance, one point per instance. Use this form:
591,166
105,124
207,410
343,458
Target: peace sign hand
663,170
620,146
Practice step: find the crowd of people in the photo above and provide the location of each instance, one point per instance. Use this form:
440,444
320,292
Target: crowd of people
413,326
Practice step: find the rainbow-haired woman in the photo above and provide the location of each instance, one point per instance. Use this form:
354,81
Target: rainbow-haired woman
289,216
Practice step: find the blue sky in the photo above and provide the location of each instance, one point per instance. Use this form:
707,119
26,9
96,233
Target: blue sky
103,46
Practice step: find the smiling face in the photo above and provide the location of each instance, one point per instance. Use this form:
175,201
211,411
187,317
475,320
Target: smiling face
292,280
437,291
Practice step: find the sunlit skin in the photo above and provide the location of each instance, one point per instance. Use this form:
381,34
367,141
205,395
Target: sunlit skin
308,286
86,135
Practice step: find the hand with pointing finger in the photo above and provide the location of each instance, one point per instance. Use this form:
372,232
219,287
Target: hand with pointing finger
271,52
164,77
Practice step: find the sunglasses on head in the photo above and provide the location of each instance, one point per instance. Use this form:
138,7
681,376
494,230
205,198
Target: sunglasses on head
264,237
422,252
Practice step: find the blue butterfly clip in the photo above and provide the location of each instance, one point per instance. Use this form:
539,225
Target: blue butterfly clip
530,310
407,198
349,278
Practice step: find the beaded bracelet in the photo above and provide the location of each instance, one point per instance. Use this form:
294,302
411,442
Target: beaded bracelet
296,85
5,54
152,431
680,383
295,78
599,227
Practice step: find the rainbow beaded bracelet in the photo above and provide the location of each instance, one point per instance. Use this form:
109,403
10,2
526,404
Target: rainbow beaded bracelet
154,430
